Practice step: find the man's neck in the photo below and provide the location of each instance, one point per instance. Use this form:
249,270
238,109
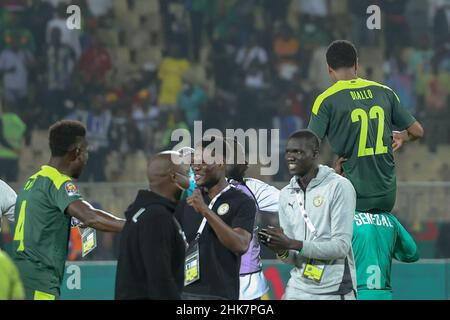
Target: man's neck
306,179
163,193
214,190
59,164
346,75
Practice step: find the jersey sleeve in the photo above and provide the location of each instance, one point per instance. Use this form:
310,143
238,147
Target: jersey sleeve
66,194
405,249
266,195
320,118
245,216
401,118
7,201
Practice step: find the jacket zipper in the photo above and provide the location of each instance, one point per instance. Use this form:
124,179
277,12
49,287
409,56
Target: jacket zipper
304,207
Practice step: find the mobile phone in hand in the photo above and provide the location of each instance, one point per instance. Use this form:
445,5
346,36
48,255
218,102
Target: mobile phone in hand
262,235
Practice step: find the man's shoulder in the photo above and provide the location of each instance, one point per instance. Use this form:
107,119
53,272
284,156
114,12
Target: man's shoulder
237,196
340,182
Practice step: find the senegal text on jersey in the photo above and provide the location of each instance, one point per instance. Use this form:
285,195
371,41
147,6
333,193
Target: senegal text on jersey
368,218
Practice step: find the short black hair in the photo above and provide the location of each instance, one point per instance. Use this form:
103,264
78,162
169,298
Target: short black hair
63,134
341,54
308,135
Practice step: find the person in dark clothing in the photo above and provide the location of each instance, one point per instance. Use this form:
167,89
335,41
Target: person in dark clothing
152,245
227,216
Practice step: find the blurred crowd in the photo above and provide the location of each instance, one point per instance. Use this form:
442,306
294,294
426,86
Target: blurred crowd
231,64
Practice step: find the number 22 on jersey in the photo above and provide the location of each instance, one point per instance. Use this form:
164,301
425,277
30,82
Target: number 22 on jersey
376,112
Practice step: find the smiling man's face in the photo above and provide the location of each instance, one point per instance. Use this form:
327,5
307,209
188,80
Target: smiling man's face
300,156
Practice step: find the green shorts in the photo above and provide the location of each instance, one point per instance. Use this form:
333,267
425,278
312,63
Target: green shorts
38,284
381,203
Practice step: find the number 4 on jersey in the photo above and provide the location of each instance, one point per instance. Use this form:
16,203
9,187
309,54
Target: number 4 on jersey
361,115
19,231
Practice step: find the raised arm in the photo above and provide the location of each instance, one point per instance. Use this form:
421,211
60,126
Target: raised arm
236,238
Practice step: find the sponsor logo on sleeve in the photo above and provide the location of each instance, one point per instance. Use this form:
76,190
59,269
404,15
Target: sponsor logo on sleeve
71,189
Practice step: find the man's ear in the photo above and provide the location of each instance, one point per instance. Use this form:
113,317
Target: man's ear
73,154
316,154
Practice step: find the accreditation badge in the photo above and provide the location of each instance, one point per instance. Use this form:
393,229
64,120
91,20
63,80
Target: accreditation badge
313,271
192,264
88,241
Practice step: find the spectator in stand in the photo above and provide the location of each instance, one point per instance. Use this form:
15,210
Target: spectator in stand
95,63
14,30
255,76
200,11
318,71
37,17
316,8
191,100
396,30
175,121
69,37
223,59
171,71
358,11
145,116
56,3
15,64
434,86
420,58
441,24
60,63
286,49
400,80
99,8
251,52
12,132
97,124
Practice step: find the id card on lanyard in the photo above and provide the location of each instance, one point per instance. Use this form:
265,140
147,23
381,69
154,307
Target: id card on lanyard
88,241
313,269
192,261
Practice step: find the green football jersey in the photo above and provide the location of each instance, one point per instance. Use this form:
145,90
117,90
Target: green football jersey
380,237
10,285
42,228
358,117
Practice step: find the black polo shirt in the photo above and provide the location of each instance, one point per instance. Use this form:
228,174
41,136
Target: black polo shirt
219,267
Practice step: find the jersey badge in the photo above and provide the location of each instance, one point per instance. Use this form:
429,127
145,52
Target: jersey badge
318,200
223,209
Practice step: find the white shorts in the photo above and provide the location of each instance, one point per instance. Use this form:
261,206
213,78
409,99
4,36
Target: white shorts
295,294
252,286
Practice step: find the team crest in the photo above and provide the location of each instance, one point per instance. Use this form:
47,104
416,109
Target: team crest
318,200
223,209
71,189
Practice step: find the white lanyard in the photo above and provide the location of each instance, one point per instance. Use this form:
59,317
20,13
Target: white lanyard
308,222
210,206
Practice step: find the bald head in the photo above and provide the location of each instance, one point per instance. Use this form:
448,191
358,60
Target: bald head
161,165
167,175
